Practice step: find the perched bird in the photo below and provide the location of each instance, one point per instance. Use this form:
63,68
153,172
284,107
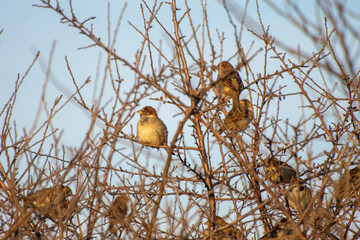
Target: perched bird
283,230
299,197
222,232
150,128
355,174
347,187
239,117
118,211
51,202
278,171
230,83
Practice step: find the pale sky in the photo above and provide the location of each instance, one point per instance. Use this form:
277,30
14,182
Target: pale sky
27,29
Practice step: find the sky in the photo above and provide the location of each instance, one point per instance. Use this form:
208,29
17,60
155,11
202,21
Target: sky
34,29
28,29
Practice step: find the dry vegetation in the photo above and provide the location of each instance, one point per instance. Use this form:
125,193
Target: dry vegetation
201,174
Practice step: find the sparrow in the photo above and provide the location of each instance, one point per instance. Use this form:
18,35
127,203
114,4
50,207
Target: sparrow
355,174
51,202
239,117
283,230
278,171
118,210
348,186
150,128
222,232
299,197
230,83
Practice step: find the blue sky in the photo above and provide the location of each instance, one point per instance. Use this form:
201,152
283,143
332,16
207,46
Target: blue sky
34,29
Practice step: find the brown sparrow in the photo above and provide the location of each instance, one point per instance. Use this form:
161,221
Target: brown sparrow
283,230
348,186
150,128
118,210
239,117
299,197
230,83
51,202
229,232
278,171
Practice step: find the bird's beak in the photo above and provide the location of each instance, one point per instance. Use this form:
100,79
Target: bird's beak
140,112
